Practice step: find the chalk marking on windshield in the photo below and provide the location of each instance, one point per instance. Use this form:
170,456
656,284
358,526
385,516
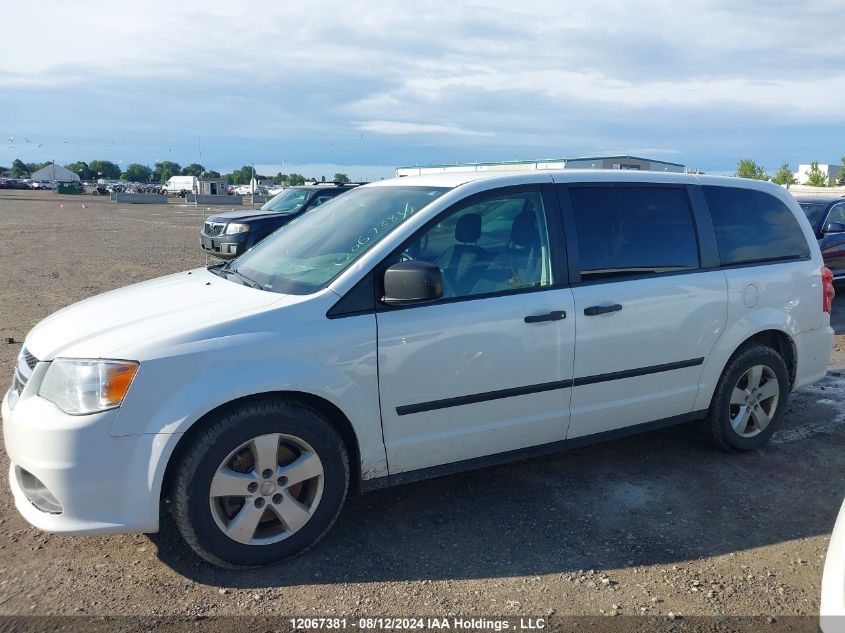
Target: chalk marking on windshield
388,222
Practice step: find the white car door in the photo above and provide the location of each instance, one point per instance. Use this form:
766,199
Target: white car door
648,314
487,368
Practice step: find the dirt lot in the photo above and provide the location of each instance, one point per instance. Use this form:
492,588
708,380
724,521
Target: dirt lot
655,524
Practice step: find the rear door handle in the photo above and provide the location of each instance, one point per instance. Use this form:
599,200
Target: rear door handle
594,310
554,315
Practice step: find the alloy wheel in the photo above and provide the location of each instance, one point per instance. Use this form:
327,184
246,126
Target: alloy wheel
266,489
754,400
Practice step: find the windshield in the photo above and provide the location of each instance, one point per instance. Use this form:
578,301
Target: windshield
317,246
814,212
289,201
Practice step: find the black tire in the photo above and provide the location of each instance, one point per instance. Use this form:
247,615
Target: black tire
718,422
191,485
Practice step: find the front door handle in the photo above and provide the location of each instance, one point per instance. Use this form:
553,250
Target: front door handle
554,315
594,310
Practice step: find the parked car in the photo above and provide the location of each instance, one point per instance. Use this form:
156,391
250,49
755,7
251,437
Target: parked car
413,328
19,184
832,605
229,234
827,217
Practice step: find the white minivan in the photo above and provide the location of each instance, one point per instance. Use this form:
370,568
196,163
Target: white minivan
412,328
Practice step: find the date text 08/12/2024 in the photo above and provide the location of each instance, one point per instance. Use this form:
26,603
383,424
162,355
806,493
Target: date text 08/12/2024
411,623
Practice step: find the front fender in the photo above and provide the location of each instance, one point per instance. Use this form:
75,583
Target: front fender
171,393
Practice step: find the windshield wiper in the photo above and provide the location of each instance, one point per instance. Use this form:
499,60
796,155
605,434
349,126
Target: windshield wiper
216,268
247,281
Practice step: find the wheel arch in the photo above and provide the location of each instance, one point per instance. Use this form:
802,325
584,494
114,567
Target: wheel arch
330,411
778,336
779,341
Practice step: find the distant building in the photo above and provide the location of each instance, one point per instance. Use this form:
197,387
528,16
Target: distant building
211,187
54,173
831,172
592,162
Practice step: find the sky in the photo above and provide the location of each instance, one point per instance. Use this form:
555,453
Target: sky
364,87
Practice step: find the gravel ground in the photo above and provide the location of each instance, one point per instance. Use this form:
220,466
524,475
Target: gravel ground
655,524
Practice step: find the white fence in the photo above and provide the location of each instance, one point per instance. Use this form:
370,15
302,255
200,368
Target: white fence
804,190
139,198
215,200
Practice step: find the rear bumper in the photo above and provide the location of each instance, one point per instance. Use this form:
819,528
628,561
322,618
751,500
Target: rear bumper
813,351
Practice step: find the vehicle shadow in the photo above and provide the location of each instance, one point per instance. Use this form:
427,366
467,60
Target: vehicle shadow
652,499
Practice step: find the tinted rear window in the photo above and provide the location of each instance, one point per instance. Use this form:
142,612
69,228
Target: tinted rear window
626,231
753,226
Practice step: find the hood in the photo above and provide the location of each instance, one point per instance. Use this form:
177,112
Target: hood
108,325
243,216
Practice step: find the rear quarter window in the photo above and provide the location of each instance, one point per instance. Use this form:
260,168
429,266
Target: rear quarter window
753,226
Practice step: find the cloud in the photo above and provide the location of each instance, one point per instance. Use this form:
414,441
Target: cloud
789,97
485,80
404,127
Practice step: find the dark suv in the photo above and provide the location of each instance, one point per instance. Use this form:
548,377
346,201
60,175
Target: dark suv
827,217
229,234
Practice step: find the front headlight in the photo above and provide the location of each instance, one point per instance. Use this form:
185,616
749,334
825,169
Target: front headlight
234,227
79,386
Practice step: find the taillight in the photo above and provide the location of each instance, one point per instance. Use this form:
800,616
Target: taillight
828,293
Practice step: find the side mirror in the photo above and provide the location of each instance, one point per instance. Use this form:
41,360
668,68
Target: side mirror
412,282
834,227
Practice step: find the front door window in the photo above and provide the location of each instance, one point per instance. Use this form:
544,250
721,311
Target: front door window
490,246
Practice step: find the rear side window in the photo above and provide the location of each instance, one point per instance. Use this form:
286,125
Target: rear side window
325,196
624,231
753,226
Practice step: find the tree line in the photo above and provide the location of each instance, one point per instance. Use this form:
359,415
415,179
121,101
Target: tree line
748,168
161,172
164,170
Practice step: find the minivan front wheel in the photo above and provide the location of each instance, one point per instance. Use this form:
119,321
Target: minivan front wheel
750,399
260,483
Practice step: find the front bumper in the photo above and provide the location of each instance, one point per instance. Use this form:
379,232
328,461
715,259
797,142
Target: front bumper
104,484
224,246
832,607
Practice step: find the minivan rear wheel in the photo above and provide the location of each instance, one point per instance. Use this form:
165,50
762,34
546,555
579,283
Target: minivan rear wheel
260,483
750,399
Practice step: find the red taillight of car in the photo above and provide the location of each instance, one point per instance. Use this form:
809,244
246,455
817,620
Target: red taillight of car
828,293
